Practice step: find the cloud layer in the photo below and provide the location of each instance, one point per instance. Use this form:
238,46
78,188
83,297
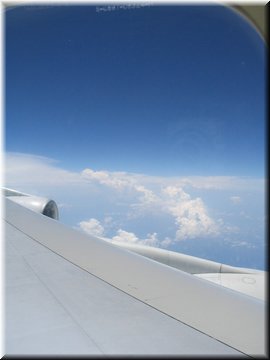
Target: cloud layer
190,215
136,208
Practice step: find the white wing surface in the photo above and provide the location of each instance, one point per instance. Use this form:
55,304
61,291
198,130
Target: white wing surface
70,293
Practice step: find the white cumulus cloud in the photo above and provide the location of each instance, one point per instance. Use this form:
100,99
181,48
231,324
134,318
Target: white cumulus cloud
130,238
125,236
92,227
191,215
116,180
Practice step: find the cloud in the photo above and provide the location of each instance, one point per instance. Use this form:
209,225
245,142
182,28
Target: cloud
244,244
141,197
23,168
223,183
235,199
191,219
121,181
116,180
125,236
92,227
191,215
148,196
151,202
130,238
176,192
32,170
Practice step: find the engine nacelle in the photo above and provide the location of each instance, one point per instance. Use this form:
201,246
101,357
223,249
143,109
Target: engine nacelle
38,204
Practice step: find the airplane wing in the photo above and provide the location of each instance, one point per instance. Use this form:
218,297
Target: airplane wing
68,293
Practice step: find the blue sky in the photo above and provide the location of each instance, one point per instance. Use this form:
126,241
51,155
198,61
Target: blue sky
146,123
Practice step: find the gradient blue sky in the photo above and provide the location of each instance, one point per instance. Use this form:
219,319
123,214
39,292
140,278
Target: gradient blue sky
177,90
97,95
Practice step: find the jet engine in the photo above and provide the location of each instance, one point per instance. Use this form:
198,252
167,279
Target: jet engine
38,204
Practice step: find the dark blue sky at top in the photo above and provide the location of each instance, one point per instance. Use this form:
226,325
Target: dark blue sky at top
164,90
